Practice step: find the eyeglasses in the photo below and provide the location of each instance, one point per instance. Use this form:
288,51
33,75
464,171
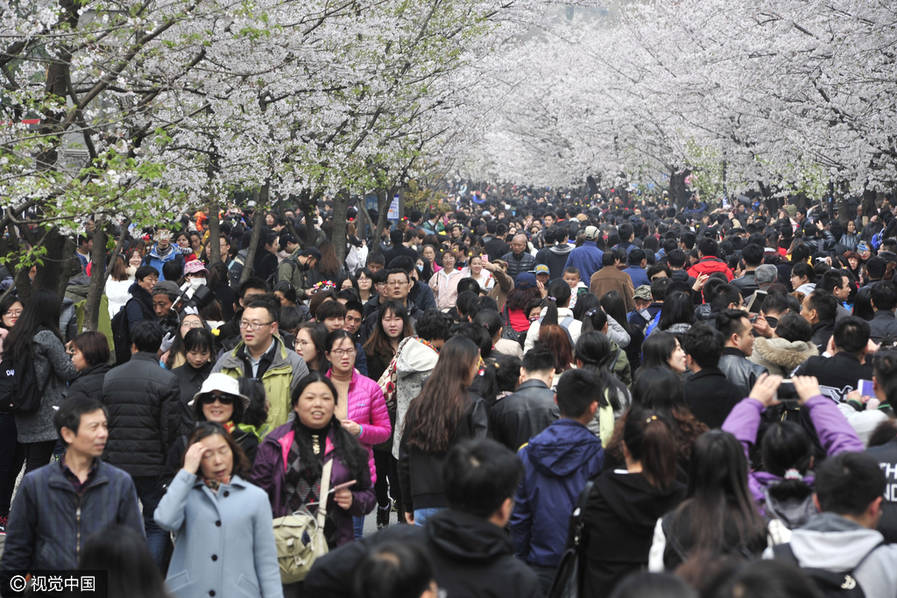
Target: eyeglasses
14,314
253,325
223,399
343,352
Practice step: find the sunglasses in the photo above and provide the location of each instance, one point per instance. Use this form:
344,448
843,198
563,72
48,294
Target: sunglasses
223,399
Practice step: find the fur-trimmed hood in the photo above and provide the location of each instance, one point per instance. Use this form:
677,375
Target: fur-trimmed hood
781,354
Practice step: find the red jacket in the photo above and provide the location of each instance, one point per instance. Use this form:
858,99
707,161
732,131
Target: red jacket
709,265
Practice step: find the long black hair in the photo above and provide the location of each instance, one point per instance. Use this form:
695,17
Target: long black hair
347,448
41,312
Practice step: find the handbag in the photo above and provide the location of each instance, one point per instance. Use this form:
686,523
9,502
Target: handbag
568,579
300,537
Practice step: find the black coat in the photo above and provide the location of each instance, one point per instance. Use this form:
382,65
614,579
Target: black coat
619,518
710,396
89,383
886,455
471,557
837,375
144,415
518,417
739,370
190,381
420,472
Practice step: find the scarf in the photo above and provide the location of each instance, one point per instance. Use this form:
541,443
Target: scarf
305,462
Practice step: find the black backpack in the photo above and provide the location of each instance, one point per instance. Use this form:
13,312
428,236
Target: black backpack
841,584
568,579
121,336
19,389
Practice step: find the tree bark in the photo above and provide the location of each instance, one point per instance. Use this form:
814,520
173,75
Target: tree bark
258,222
338,232
57,267
214,232
98,273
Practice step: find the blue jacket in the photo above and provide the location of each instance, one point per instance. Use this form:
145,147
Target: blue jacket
586,258
557,463
224,540
49,521
156,260
638,275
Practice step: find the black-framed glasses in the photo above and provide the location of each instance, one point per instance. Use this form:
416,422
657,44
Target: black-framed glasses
223,399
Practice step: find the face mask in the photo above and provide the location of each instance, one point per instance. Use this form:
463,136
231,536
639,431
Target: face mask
197,282
420,268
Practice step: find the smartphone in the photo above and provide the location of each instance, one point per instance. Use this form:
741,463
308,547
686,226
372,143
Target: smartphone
348,484
485,258
866,388
757,302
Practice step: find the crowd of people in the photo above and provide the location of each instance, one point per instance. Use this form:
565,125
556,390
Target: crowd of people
526,395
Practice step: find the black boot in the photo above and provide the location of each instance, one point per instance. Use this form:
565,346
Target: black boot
383,516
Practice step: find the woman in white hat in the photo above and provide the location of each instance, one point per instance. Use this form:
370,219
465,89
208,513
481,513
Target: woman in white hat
219,401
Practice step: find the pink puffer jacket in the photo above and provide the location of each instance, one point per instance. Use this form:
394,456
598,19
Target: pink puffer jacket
368,409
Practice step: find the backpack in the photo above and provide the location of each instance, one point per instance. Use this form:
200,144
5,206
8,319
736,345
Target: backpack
568,579
19,390
235,269
829,583
121,335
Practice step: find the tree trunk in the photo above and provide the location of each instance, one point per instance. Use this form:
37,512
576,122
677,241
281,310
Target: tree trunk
383,198
338,232
97,277
258,222
57,266
214,232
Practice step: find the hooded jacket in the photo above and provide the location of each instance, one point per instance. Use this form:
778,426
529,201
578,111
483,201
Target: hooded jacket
620,516
709,265
471,557
836,544
557,464
781,356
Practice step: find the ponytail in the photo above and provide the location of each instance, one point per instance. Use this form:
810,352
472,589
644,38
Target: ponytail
648,437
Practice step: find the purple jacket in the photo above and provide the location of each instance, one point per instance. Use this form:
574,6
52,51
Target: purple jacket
269,473
835,435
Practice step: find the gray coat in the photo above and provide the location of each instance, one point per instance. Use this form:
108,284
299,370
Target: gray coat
53,368
224,540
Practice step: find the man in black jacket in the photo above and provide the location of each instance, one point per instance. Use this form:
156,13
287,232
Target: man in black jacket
472,555
738,344
518,417
840,373
709,395
143,403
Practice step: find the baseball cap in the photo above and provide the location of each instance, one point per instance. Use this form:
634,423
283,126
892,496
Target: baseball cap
525,280
643,292
862,246
194,266
590,233
541,269
166,286
766,273
223,384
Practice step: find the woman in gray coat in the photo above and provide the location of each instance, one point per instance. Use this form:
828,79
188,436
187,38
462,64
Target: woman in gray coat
224,539
36,333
